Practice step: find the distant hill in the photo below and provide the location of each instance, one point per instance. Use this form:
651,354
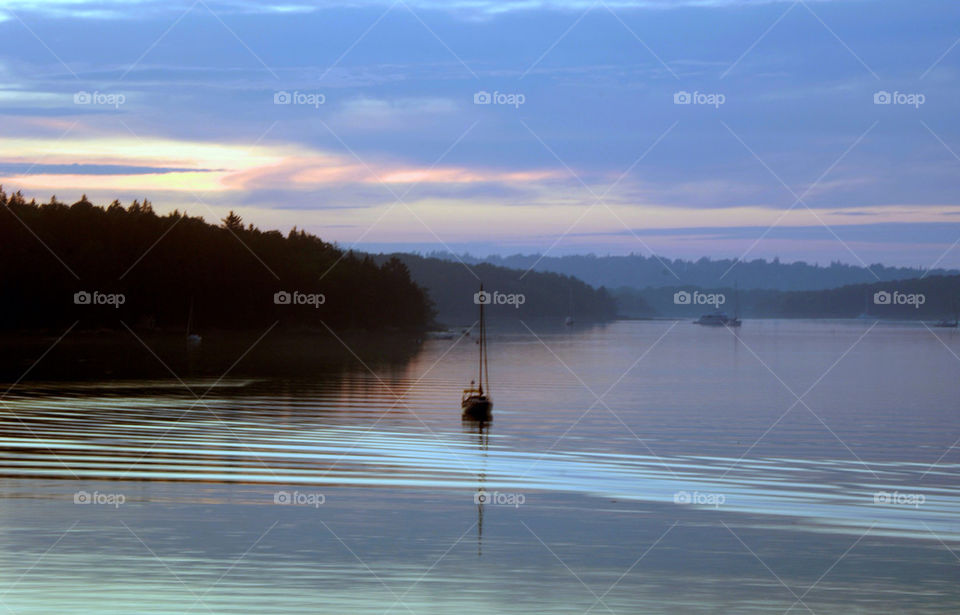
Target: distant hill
451,286
928,298
637,271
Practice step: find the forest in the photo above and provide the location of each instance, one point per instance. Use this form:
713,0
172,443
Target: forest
644,271
451,285
938,298
112,266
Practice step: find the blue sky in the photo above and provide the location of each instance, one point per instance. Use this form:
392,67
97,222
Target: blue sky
781,151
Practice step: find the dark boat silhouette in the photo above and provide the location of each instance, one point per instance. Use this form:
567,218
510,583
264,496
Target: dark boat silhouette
949,324
193,338
476,402
719,318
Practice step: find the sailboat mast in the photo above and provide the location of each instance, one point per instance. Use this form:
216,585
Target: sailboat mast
483,344
480,378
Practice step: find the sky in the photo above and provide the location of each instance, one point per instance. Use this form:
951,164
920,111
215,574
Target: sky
806,130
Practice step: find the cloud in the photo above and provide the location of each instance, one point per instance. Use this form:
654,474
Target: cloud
128,163
372,114
22,168
120,9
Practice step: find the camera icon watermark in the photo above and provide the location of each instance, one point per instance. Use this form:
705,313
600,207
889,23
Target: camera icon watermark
682,297
110,99
497,298
895,498
714,99
499,98
883,97
282,297
299,498
97,298
499,498
696,498
99,499
883,297
311,99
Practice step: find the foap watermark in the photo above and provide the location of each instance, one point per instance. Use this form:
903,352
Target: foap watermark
100,499
310,99
895,498
499,498
299,498
697,498
883,297
497,298
97,298
883,97
682,297
499,98
714,99
282,297
109,99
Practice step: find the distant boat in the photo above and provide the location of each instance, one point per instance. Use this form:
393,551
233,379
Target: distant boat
865,315
717,319
949,324
441,335
193,339
721,319
735,321
475,403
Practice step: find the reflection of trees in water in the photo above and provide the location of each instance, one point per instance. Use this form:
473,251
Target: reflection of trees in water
100,355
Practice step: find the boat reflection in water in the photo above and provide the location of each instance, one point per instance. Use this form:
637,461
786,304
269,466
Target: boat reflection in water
717,319
482,431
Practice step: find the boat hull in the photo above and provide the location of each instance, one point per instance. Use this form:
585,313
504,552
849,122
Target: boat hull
477,408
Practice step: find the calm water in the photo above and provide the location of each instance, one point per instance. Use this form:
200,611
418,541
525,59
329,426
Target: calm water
636,467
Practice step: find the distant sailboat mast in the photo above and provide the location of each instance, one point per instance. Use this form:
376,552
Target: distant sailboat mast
483,344
866,305
484,366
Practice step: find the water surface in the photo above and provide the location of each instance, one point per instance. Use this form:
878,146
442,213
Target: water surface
636,467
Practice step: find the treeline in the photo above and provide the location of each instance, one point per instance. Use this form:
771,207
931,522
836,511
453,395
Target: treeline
928,298
104,265
639,271
544,295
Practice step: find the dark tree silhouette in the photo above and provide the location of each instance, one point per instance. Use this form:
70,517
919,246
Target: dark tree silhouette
233,222
162,264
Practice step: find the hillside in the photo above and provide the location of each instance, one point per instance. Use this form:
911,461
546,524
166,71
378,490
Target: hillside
110,266
451,286
638,271
928,298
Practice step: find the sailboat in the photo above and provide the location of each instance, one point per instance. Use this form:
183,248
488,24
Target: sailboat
949,324
865,315
735,321
476,403
193,339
